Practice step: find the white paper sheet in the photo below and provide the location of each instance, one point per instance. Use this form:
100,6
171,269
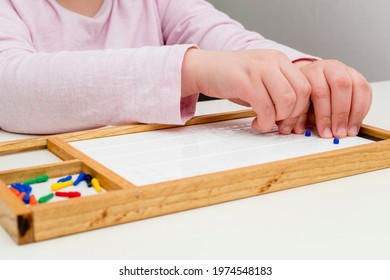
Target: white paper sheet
157,156
27,159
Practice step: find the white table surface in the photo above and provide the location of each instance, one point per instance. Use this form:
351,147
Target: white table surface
341,219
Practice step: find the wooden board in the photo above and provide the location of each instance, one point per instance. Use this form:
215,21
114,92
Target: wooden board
123,202
15,217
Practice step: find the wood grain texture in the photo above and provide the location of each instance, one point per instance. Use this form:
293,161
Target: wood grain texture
52,170
15,217
374,132
139,203
108,179
16,146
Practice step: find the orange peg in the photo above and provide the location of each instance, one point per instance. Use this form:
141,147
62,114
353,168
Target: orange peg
14,191
22,195
33,200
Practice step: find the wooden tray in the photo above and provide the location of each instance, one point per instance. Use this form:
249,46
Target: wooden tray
124,202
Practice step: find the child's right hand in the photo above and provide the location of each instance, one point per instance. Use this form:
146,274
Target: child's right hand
265,79
341,97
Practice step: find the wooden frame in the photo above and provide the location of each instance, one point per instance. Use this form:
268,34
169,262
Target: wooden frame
123,202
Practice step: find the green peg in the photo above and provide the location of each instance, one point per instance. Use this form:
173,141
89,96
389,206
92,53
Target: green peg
46,198
37,180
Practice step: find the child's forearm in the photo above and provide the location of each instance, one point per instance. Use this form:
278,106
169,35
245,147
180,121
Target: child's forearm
67,91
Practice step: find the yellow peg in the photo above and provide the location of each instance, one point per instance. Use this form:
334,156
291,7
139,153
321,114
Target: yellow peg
96,185
61,185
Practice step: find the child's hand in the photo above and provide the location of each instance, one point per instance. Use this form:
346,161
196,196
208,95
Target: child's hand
341,97
266,79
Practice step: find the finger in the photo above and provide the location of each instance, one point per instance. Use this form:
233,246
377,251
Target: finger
301,87
340,83
281,92
286,126
300,125
321,101
296,125
258,97
361,101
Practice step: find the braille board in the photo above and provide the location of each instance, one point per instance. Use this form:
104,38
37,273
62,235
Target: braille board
124,202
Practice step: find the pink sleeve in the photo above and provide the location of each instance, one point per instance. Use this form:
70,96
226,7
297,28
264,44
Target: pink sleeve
198,22
43,93
66,91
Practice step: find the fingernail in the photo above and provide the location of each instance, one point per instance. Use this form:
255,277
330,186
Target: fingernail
301,129
342,131
286,129
327,133
353,130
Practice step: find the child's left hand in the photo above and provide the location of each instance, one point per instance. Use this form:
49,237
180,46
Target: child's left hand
341,98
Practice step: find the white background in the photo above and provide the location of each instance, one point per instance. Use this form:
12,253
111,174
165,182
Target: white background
356,32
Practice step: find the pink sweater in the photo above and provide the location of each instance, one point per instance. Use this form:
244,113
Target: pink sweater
61,71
